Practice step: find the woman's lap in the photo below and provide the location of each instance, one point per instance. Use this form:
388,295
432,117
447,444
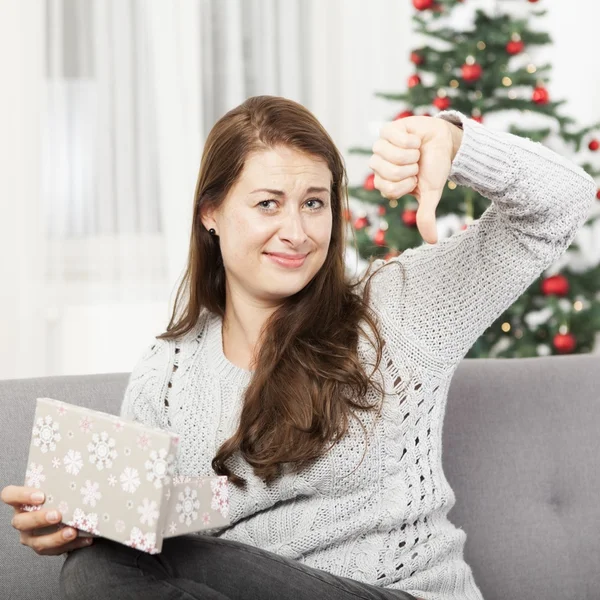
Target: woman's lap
203,567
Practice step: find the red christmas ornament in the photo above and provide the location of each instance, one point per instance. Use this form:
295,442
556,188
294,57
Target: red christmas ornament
416,58
404,113
369,183
442,103
540,95
361,222
471,72
379,238
477,118
564,342
413,80
423,4
391,254
381,210
514,47
426,115
557,285
409,217
598,194
533,1
347,214
594,145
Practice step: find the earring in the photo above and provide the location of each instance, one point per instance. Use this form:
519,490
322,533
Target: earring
211,231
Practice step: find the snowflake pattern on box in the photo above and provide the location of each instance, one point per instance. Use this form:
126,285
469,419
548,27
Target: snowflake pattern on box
84,521
142,541
220,499
160,467
148,511
46,434
187,505
113,477
102,452
34,476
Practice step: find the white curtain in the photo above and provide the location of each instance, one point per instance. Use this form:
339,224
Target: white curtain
22,318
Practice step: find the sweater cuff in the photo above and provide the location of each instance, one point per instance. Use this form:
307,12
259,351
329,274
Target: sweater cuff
483,160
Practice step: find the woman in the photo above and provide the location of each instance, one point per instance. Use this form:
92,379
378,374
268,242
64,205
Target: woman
323,399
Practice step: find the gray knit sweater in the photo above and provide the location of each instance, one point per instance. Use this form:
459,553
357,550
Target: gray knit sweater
384,521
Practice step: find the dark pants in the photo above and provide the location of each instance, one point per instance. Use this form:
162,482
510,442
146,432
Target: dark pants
195,567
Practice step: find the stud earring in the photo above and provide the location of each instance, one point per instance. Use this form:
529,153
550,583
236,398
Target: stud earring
211,231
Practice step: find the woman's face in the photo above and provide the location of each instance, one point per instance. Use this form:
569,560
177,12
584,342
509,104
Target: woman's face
280,204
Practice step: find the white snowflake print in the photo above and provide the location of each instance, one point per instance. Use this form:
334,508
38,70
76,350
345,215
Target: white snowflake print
220,499
120,526
188,505
61,410
160,467
73,462
63,507
143,441
148,512
130,480
102,451
118,426
46,434
56,462
141,541
112,480
84,521
172,527
35,475
206,518
85,424
90,493
177,479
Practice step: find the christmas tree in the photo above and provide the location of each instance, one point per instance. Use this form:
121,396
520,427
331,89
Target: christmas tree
478,71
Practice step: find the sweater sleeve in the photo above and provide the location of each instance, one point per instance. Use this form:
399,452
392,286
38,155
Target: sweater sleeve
442,297
143,400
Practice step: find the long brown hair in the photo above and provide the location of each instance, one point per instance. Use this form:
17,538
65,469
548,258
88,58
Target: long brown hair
289,413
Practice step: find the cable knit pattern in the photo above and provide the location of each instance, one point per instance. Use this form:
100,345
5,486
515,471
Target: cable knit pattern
383,520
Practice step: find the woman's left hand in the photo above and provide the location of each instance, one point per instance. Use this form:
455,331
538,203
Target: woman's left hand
414,156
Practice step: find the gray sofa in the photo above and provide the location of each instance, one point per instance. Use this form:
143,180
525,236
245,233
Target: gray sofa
521,450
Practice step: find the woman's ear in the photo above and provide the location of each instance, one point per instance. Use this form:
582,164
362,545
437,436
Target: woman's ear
207,218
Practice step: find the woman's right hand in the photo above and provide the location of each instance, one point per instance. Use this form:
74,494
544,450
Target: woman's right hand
26,521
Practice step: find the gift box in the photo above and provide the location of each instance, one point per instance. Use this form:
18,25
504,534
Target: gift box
116,478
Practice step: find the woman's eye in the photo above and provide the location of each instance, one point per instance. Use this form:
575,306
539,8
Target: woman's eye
262,203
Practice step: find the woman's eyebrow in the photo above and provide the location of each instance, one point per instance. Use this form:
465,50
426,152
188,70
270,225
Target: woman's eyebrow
310,190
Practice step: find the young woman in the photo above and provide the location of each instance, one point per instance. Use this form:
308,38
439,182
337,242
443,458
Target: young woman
323,398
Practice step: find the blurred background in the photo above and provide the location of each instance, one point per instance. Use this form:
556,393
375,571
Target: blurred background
104,108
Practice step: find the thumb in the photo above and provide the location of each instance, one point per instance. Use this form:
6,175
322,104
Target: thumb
426,223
